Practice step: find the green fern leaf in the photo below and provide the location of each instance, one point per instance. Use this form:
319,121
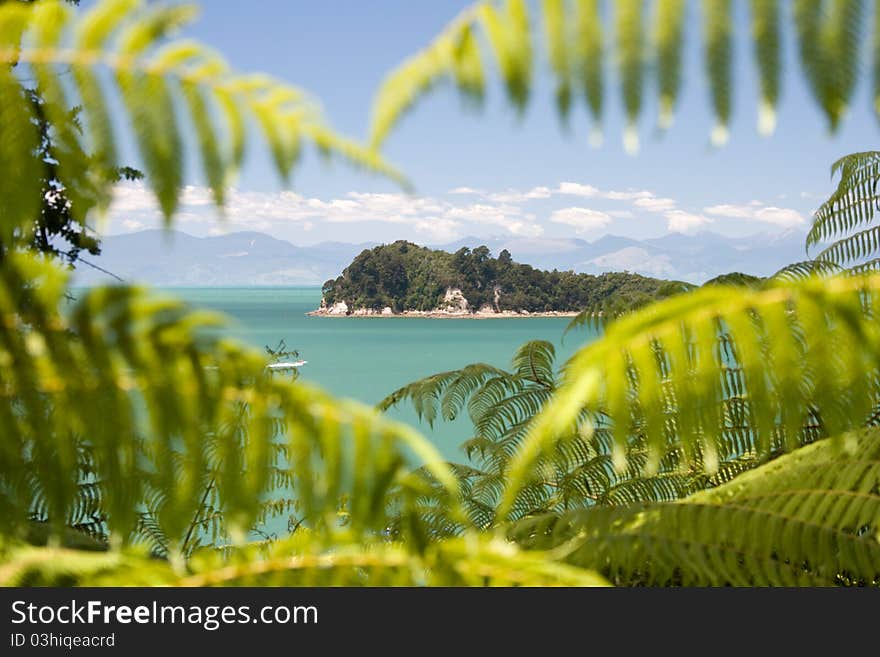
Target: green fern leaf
765,32
161,82
663,364
829,35
669,38
717,25
807,518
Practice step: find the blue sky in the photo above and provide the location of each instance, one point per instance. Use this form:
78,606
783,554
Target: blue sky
526,177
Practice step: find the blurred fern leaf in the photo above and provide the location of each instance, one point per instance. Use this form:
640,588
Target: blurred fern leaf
829,36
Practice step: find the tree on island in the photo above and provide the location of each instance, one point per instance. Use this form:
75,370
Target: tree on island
405,276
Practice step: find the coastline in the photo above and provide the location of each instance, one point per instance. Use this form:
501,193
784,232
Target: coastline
441,314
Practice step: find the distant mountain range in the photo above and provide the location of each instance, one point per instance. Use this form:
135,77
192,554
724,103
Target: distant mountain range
693,258
173,258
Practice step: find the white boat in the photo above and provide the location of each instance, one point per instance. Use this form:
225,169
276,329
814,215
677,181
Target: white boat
286,366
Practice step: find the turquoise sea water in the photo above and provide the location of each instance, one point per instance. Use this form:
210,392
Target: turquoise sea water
367,358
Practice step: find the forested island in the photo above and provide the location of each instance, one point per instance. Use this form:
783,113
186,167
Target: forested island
406,279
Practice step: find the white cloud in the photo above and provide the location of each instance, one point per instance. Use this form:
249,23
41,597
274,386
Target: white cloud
438,219
514,196
525,229
261,211
679,221
197,196
136,209
439,230
582,219
655,204
735,211
576,189
783,217
395,208
539,192
256,208
757,211
588,191
483,213
627,196
133,197
641,198
508,217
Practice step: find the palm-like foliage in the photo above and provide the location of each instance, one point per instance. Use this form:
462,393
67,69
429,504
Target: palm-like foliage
806,269
128,417
129,409
579,470
471,561
619,305
500,405
166,87
162,407
844,226
720,370
807,518
645,45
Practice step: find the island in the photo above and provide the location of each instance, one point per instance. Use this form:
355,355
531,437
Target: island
407,280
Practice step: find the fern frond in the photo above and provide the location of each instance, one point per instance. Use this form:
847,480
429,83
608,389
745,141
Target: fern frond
871,266
164,85
492,392
534,361
806,269
160,398
595,317
854,201
808,349
766,30
469,561
629,35
556,30
669,38
581,468
588,49
453,53
25,565
717,25
829,43
829,35
847,218
509,413
446,392
508,31
806,518
19,194
853,248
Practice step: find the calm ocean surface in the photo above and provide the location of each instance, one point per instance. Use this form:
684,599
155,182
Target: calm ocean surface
368,358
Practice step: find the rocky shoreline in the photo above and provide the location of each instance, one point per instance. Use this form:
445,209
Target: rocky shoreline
453,306
342,310
441,314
